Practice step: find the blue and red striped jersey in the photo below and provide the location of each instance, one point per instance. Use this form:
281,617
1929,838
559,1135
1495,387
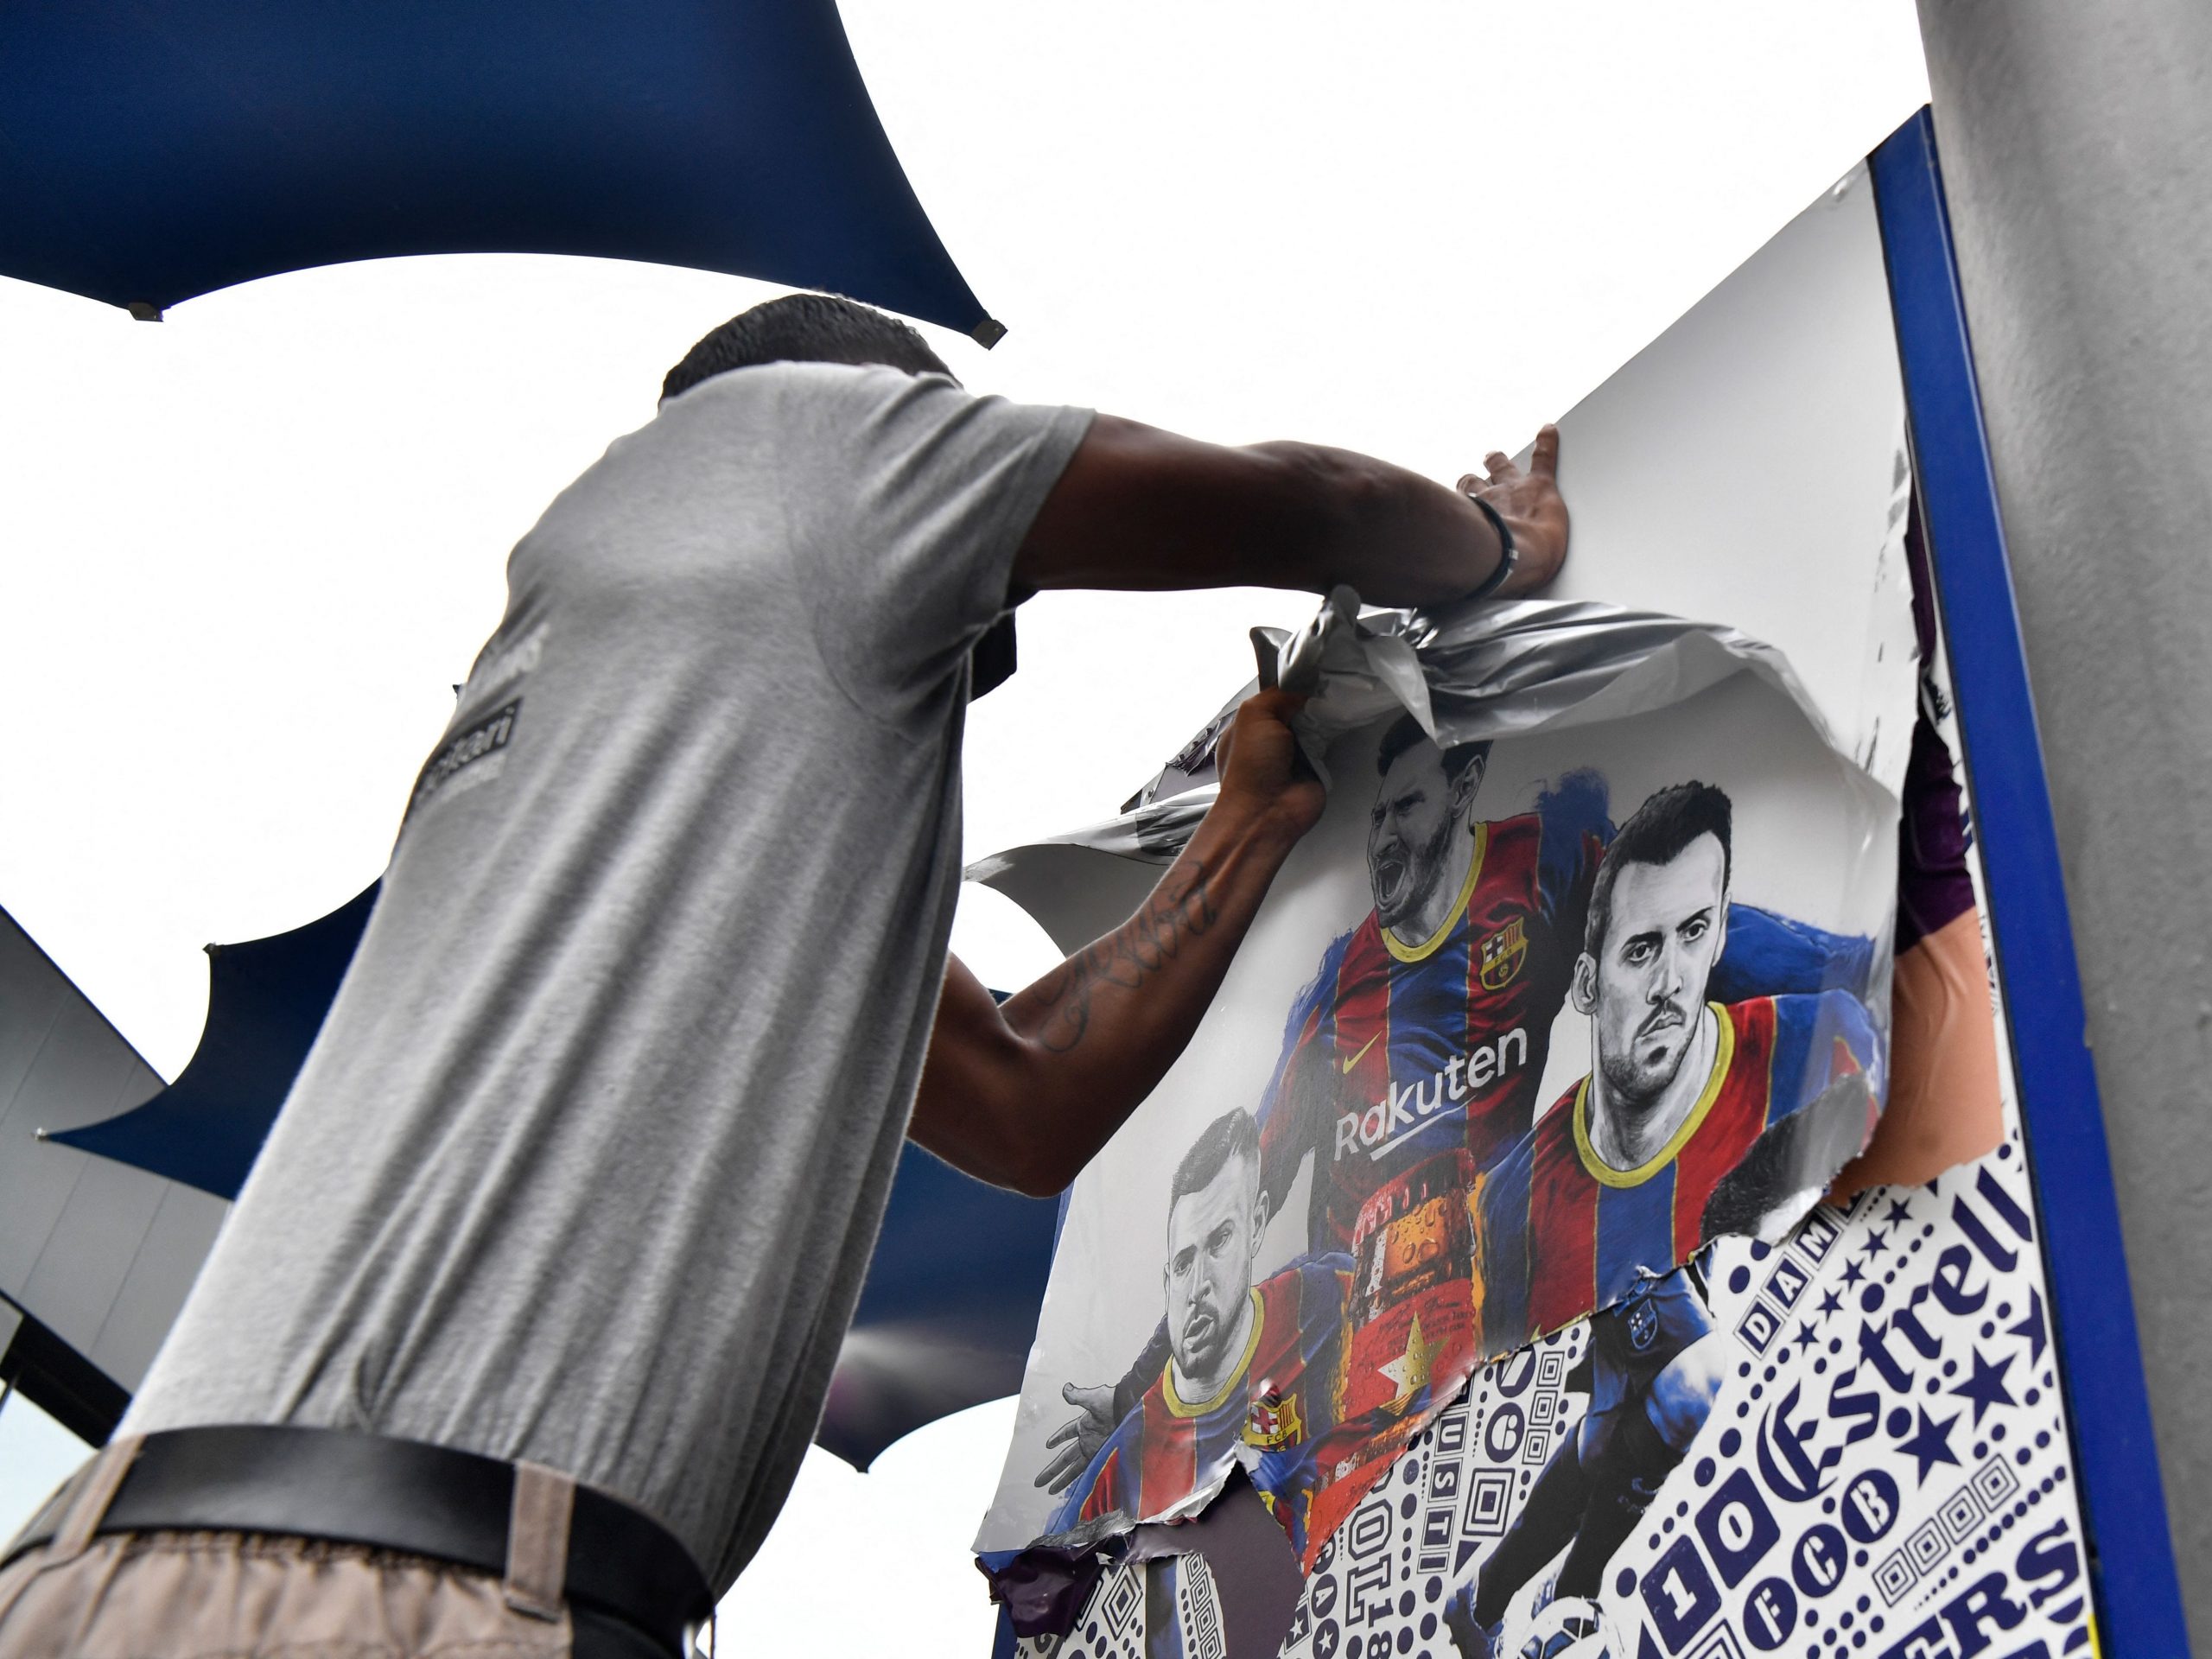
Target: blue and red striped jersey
1396,1052
1565,1234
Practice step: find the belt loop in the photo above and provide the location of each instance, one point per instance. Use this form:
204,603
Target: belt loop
538,1540
100,1479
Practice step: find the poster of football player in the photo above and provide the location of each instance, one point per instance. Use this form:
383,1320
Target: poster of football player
1698,1119
1248,1364
1328,1170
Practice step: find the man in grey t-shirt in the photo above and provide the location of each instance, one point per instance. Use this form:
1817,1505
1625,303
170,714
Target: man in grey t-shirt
584,1171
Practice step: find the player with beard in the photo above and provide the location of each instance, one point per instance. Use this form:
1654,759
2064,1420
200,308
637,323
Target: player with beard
1424,1031
1251,1368
1698,1119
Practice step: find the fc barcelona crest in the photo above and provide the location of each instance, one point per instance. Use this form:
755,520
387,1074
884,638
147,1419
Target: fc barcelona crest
1273,1420
1503,953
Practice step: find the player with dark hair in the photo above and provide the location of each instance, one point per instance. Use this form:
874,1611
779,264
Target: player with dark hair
1250,1368
1697,1118
1619,1176
1424,1032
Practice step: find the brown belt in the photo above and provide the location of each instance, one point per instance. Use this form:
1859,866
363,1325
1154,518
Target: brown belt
398,1495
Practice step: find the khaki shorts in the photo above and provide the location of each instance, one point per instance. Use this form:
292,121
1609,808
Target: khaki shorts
228,1595
195,1595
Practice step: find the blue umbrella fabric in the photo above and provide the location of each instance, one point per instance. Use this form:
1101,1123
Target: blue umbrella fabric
151,151
949,1311
952,1295
266,999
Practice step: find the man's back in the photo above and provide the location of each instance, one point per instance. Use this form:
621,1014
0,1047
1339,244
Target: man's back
587,1165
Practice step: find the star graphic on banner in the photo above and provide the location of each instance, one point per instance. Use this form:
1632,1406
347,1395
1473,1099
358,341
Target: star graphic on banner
1807,1336
2032,1327
1877,1242
1409,1371
1985,1387
1830,1303
1852,1273
1899,1210
1930,1444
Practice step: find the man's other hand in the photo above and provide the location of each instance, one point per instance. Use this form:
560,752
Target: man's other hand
1076,1442
1263,773
1023,1093
1533,510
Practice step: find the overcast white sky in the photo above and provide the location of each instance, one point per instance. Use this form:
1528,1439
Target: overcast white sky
245,553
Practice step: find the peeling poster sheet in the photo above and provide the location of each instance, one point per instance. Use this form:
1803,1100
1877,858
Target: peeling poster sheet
1526,1020
1482,1225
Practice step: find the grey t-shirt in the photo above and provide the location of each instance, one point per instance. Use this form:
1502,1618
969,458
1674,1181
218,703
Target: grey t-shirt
587,1163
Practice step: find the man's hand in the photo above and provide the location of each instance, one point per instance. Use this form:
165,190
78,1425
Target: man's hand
1264,775
1533,510
1078,1438
1021,1094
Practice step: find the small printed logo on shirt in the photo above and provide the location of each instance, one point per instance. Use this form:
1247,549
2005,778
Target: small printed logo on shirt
501,671
472,757
1642,1324
1502,954
1273,1419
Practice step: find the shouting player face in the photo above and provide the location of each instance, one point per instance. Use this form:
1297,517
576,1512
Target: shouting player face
1212,1234
1645,987
1409,835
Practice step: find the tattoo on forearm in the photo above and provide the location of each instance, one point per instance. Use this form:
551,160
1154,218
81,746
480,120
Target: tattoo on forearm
1181,909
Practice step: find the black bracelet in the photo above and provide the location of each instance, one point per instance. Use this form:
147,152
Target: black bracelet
1497,578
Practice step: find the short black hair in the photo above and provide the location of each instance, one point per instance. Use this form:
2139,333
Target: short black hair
1407,731
803,329
1658,832
1233,1134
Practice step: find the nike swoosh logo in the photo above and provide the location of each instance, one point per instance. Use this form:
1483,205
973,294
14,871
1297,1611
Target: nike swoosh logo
1362,1055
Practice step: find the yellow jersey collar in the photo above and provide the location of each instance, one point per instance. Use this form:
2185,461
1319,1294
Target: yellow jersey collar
1181,1407
1428,947
1724,1055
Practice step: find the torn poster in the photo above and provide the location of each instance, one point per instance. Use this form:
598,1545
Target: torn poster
1823,1431
1585,964
1869,1453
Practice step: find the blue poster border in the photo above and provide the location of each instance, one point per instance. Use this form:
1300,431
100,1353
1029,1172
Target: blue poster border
2093,1315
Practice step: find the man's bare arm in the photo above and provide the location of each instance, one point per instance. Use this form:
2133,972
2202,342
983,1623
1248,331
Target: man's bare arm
1022,1094
1142,508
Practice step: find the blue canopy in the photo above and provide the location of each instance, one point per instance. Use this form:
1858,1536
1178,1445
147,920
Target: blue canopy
952,1294
157,149
266,999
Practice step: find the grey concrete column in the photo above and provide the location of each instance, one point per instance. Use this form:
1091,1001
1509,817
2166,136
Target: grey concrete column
2076,148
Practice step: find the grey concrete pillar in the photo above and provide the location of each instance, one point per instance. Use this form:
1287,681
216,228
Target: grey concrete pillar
2076,148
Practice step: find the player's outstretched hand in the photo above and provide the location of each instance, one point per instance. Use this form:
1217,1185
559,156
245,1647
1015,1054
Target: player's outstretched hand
1262,770
1076,1442
1533,509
